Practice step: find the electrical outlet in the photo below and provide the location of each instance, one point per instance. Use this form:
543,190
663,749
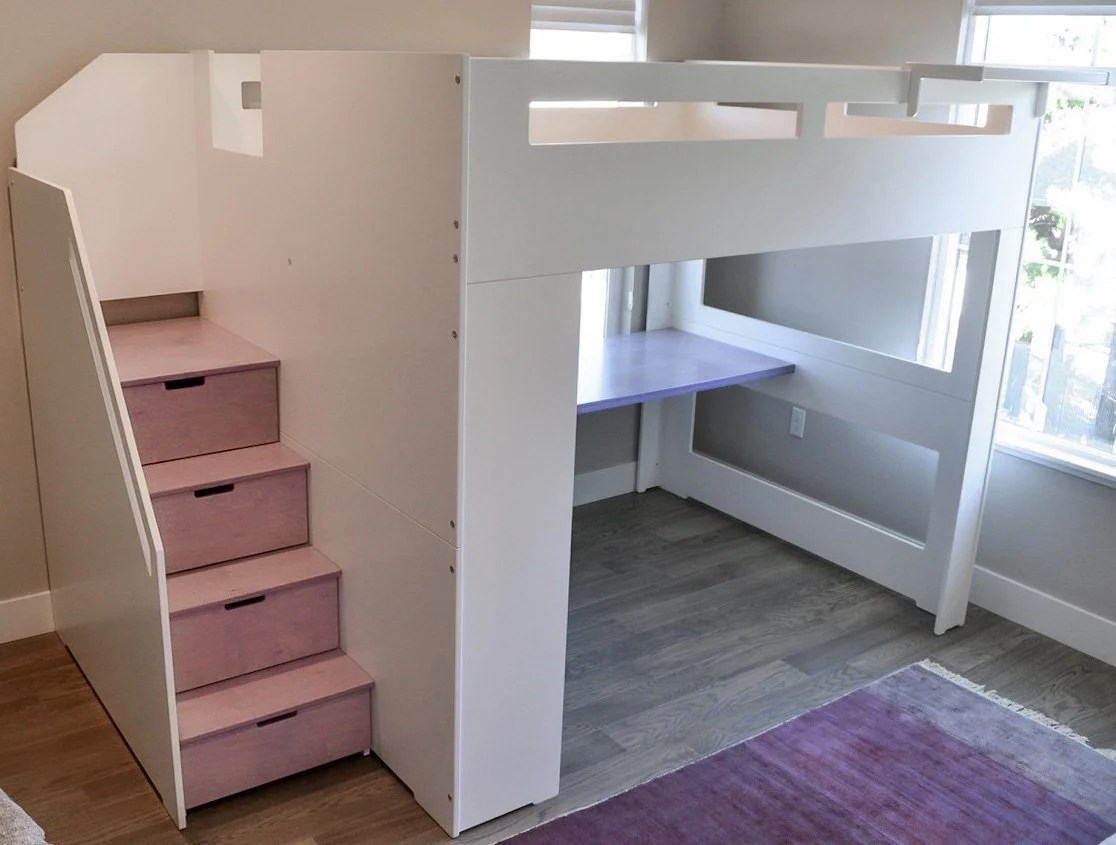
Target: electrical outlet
798,422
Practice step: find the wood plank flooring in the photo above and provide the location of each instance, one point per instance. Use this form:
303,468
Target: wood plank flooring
688,632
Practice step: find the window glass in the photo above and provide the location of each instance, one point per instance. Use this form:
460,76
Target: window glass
1060,385
1040,40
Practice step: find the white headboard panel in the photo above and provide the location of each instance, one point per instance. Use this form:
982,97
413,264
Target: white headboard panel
545,209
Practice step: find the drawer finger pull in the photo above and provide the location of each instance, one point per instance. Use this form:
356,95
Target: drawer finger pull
214,491
233,605
183,383
274,719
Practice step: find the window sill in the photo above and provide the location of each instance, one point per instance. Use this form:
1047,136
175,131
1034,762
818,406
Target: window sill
1021,443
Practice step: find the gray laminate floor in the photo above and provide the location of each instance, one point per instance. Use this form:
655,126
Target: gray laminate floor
690,631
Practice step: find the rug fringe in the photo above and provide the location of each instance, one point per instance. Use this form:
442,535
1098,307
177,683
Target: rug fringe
1014,706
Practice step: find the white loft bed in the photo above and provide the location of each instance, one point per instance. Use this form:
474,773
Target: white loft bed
406,233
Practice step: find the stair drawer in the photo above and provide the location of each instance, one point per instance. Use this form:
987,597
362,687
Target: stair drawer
228,521
291,742
196,416
222,641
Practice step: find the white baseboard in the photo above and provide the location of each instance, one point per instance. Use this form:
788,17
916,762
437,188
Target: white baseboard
1067,623
25,616
604,483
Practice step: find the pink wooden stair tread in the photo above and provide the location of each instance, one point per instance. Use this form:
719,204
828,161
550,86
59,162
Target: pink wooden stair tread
249,699
173,349
221,468
225,582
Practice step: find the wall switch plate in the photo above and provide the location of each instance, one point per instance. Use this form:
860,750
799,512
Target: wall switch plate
798,422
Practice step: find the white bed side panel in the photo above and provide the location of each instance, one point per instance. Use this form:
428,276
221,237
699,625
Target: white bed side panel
521,340
616,204
105,557
120,136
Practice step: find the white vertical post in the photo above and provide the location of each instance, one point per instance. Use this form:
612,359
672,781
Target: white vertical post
996,255
519,424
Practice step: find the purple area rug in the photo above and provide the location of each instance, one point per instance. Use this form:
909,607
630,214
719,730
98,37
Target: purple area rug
913,758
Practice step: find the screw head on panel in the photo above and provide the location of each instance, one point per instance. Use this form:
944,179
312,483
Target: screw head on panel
457,78
456,259
453,334
453,524
457,224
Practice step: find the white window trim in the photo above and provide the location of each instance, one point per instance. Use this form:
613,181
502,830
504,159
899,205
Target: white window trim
1018,441
1032,446
975,7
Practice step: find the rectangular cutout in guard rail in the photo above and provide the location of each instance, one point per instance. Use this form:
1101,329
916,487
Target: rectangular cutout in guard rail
251,95
619,123
917,284
868,120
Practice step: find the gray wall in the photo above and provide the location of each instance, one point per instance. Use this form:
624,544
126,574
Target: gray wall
606,439
860,471
837,292
867,294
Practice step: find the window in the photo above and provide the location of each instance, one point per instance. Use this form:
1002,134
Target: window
1059,396
589,30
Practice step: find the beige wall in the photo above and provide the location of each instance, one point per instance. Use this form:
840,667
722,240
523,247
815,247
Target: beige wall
880,32
685,29
44,42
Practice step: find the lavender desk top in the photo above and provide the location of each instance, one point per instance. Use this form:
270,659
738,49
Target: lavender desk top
634,368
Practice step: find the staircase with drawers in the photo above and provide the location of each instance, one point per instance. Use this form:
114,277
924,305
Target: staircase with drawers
263,689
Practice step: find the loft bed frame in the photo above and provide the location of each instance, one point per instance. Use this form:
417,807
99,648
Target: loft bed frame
406,232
